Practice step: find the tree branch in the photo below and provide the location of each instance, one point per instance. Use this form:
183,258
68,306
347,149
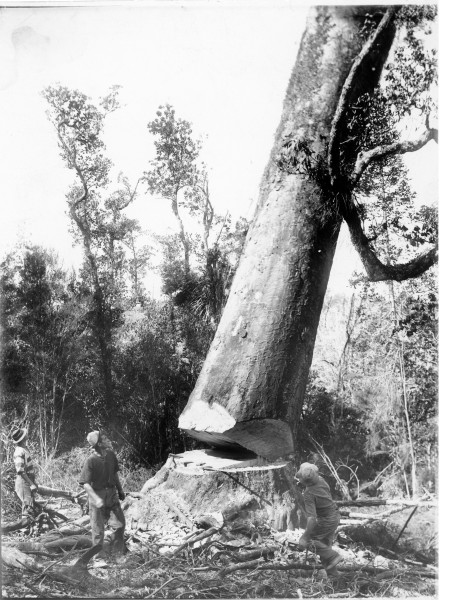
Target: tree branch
131,194
366,158
375,269
333,157
72,154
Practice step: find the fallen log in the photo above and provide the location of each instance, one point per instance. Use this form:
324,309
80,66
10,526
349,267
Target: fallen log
388,502
75,575
386,575
12,557
15,525
249,555
82,521
421,560
26,521
27,546
54,493
347,514
69,542
260,565
377,517
70,530
19,560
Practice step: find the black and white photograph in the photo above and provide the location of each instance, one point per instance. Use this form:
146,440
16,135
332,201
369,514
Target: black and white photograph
219,299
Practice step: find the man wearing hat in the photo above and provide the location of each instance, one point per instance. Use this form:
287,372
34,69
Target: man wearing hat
25,484
322,517
100,479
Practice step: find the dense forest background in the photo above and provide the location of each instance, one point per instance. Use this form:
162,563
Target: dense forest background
371,404
92,348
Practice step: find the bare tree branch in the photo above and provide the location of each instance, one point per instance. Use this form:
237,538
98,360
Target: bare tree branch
375,269
366,158
333,158
131,194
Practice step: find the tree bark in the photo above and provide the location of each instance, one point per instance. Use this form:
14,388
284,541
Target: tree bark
258,364
250,391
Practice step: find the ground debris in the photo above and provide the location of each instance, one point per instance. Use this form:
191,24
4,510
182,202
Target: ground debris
166,559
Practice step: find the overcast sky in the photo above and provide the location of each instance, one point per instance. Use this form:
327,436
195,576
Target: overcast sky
223,66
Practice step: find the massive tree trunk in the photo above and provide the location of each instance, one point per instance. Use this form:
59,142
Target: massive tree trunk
249,394
257,366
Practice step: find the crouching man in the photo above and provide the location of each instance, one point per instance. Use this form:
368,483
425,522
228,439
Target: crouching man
100,479
322,518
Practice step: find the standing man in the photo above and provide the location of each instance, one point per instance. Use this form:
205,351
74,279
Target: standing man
100,479
322,518
25,484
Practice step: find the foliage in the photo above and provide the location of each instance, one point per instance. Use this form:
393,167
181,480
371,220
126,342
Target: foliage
367,356
155,373
174,169
342,434
67,336
176,153
52,384
79,125
43,333
98,219
205,290
196,273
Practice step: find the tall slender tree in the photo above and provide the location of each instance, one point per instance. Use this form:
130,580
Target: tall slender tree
174,171
97,214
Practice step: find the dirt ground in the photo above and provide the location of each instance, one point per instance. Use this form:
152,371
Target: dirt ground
202,570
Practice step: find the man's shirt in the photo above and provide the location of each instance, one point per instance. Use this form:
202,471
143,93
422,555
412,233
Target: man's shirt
100,471
318,501
23,462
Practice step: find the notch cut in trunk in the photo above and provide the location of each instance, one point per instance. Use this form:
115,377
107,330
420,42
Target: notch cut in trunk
266,438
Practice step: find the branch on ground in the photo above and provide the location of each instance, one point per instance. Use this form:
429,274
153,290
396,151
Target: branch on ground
260,565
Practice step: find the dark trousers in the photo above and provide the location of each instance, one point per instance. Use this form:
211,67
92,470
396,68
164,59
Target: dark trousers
112,514
322,538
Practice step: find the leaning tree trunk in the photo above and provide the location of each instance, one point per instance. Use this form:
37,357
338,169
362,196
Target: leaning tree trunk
250,391
258,363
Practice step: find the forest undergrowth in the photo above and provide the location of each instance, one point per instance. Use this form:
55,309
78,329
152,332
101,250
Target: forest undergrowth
173,558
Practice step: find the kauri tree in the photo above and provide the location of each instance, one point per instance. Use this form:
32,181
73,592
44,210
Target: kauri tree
249,393
257,367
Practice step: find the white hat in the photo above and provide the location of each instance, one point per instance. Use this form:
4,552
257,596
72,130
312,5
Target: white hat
307,472
93,438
